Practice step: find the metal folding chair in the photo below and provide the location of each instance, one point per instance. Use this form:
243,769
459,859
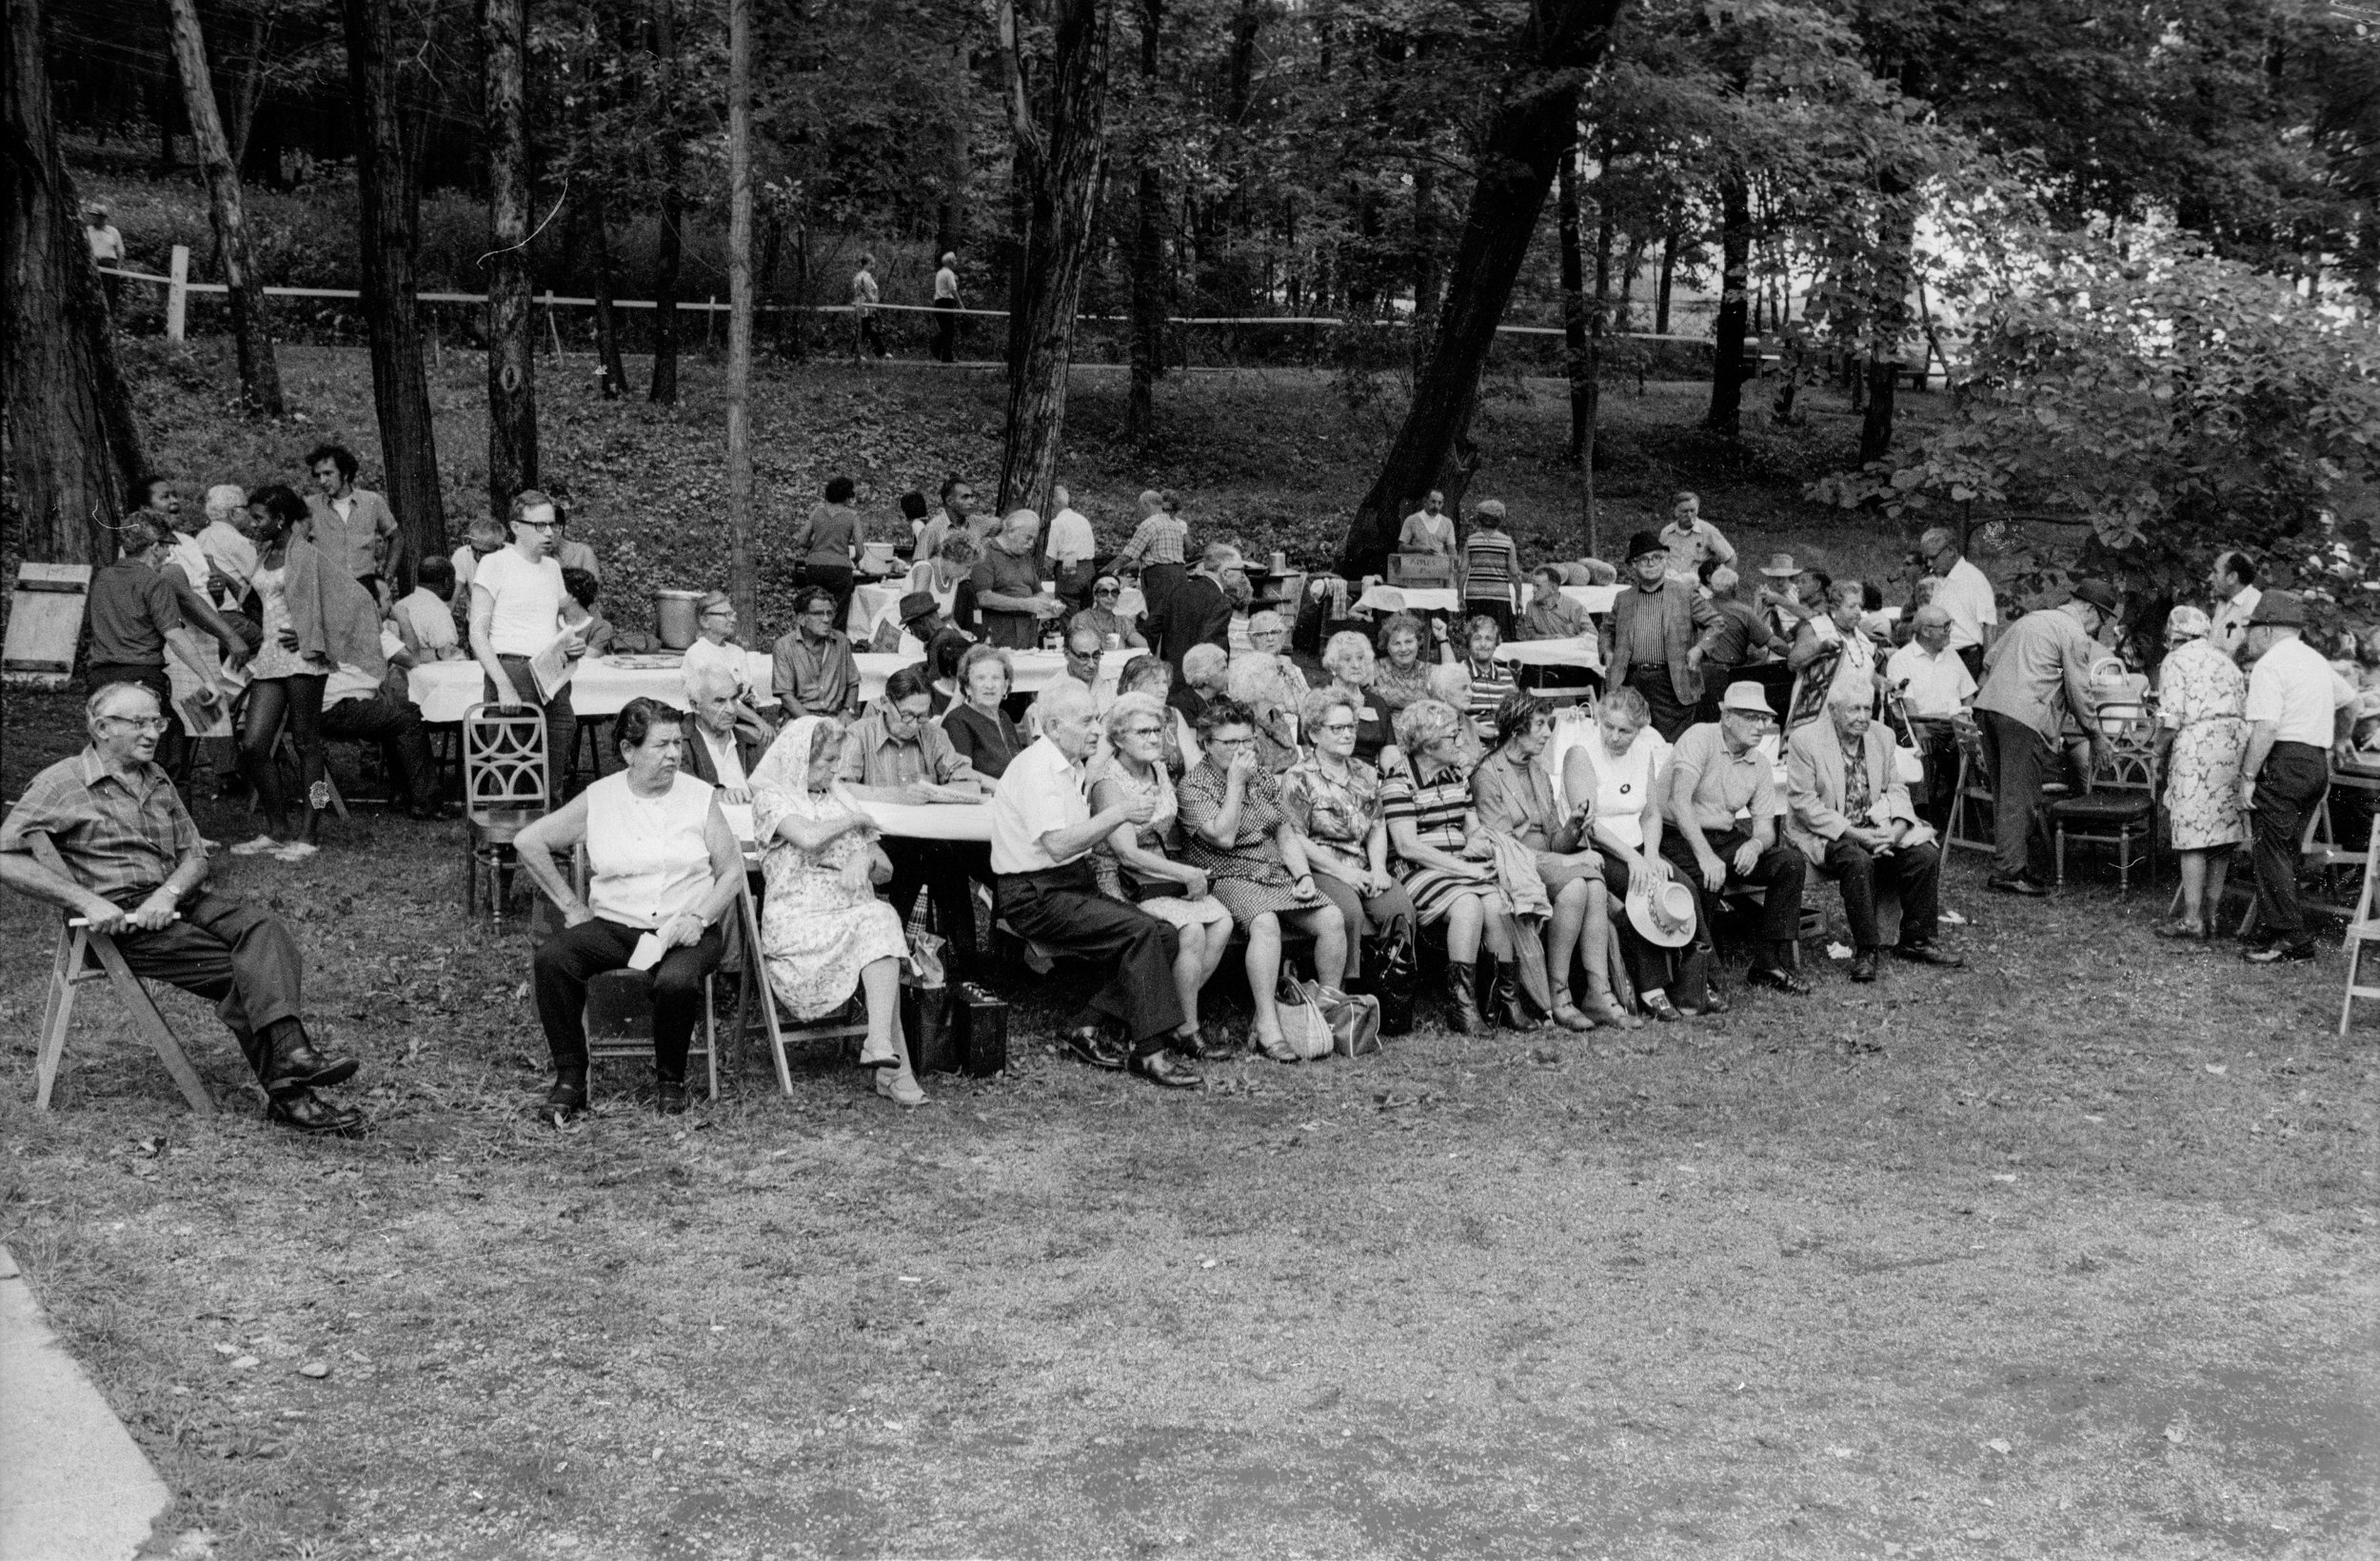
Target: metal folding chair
504,792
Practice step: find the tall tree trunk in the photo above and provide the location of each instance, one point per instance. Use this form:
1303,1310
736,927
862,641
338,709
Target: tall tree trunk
260,375
1662,289
668,252
1428,263
74,449
1727,370
743,585
1148,255
1064,153
615,373
1623,313
1598,313
1523,146
1573,302
246,89
1024,221
511,327
409,440
950,212
1892,319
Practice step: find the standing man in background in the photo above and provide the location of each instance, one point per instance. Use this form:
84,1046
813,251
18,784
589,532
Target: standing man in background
1008,586
946,305
1965,594
2039,673
1692,541
863,299
353,527
1071,550
107,248
2233,582
2299,709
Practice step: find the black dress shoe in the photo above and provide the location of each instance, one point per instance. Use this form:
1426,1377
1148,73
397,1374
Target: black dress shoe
292,1063
1863,966
669,1097
1658,1005
1778,979
1198,1046
1161,1067
565,1103
1713,1002
1928,954
1089,1045
2015,884
307,1112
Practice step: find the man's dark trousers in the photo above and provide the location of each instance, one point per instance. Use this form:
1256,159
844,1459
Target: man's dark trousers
1667,713
2021,760
240,958
396,726
1063,909
2288,787
1779,874
1913,870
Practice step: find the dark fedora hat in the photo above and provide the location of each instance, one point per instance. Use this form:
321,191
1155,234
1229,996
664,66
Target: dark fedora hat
1644,543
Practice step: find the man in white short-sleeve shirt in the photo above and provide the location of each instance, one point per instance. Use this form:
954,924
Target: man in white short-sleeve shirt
1934,683
518,607
1965,594
2298,709
1042,832
1070,548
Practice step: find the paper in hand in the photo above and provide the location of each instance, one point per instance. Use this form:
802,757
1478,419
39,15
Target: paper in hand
647,953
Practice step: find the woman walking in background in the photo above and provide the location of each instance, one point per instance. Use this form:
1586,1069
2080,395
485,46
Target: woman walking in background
2202,742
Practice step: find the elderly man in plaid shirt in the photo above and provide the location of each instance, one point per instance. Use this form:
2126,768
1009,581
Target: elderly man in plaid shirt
127,857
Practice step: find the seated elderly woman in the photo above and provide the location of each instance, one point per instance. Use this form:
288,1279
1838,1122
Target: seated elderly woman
1267,634
1204,671
1132,862
1512,795
1272,690
978,729
1614,779
1234,833
662,864
1332,798
1426,801
1401,670
1450,684
823,929
1153,676
1347,657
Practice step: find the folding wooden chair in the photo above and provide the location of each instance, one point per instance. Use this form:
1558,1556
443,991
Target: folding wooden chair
504,792
84,954
1973,791
756,1004
2364,927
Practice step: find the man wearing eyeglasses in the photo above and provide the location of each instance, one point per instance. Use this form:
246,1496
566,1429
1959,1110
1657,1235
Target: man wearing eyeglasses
104,836
815,672
1965,594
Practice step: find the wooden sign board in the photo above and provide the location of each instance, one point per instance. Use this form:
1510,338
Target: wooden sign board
44,622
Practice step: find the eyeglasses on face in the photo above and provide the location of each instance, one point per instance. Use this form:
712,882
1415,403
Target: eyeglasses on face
140,723
1246,740
1144,731
1340,727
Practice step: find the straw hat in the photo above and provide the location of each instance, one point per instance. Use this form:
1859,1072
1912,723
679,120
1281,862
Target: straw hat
1665,919
1781,566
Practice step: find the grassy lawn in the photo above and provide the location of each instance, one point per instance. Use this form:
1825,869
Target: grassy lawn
2071,1254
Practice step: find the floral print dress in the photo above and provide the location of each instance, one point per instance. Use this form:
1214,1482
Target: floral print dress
816,932
2202,698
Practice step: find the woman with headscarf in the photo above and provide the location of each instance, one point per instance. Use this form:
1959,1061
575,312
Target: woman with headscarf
2202,743
823,929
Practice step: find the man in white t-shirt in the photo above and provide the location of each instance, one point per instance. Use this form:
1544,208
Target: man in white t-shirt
2233,582
1965,594
2299,709
518,609
946,309
1071,549
107,248
1935,688
1042,831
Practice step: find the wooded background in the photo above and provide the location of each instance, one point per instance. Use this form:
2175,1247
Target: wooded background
1999,190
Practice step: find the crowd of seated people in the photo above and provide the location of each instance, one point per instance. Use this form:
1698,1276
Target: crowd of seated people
1336,798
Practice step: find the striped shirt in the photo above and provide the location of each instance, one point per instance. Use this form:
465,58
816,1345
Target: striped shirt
1159,539
1491,565
119,837
1436,810
1488,685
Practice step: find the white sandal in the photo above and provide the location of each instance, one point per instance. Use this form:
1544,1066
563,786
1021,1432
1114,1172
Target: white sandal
295,851
257,848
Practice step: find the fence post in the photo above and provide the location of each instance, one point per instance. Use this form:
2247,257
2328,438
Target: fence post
710,320
178,293
551,328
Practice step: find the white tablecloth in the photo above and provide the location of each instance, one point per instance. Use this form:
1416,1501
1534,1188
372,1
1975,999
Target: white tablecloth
445,689
1585,650
871,606
1595,599
932,820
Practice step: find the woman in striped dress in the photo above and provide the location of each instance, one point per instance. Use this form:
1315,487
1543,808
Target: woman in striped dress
1490,567
1427,801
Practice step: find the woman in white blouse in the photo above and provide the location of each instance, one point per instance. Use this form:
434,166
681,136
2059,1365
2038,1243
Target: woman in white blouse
1616,774
663,865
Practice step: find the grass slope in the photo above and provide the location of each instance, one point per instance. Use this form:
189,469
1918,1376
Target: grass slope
2080,1262
1277,459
